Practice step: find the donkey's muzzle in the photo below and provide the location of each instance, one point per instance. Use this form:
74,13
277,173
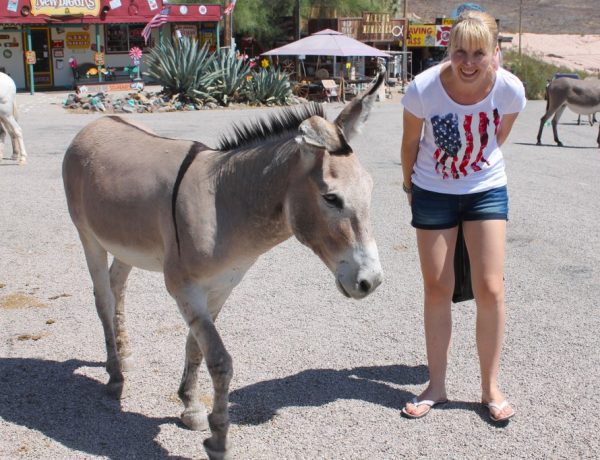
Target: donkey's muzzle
360,282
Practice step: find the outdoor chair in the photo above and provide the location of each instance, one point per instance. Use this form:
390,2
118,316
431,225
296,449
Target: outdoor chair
332,90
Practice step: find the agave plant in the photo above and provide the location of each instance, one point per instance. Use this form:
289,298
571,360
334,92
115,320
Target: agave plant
233,73
268,86
184,70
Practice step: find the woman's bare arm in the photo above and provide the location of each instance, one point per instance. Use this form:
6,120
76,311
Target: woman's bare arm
506,125
411,135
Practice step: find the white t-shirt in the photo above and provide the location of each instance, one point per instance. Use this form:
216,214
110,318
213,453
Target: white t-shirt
458,151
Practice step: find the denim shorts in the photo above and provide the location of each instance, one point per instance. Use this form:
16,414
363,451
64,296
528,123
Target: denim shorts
434,211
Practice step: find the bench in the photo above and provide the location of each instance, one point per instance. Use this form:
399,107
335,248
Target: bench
116,78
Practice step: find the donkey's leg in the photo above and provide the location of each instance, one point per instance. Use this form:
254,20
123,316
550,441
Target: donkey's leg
193,305
194,415
2,139
557,116
543,120
16,136
95,256
598,138
119,272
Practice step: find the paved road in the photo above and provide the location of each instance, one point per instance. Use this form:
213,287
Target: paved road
316,375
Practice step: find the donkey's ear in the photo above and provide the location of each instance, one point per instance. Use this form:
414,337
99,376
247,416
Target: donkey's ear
355,114
321,134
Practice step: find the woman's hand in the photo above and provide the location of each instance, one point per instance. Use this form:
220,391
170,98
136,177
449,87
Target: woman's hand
407,189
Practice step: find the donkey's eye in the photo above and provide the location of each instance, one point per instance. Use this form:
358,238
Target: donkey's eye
333,200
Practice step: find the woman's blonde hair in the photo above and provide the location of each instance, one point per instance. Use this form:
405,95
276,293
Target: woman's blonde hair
474,29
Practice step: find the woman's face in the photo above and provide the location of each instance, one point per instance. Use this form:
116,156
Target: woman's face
471,63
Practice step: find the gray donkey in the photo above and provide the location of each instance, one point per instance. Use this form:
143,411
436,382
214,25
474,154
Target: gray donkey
204,215
581,96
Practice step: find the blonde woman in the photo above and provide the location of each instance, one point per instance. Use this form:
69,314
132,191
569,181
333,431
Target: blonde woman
456,116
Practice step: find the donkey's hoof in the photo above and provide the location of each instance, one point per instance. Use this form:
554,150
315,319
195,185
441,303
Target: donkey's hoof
118,389
127,364
559,144
214,454
538,143
195,419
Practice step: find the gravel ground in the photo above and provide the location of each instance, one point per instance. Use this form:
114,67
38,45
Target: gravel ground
316,375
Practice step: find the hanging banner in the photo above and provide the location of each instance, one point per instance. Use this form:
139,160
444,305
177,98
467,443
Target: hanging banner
65,7
12,5
30,57
99,58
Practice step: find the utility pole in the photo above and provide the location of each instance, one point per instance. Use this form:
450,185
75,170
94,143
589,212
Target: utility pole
297,33
520,30
404,48
227,27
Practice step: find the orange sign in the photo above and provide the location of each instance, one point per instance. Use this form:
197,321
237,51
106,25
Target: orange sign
65,7
99,58
30,57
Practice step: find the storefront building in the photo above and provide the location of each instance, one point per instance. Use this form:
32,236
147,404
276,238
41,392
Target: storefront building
39,38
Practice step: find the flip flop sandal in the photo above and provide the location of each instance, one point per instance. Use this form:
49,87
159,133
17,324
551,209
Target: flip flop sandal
499,407
424,402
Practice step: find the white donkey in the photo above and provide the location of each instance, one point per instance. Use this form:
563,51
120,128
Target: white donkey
8,120
203,217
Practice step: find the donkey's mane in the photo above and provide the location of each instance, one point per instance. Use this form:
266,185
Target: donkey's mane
274,125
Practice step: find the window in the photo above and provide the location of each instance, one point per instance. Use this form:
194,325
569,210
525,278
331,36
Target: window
120,38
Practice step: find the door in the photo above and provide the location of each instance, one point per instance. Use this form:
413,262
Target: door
42,69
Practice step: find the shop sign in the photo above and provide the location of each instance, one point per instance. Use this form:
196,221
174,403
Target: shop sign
78,40
65,7
421,35
99,58
442,35
30,57
187,30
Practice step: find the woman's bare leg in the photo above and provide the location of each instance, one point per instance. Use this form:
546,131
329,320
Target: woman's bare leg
485,243
436,251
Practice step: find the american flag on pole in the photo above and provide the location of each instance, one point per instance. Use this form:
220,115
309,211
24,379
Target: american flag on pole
229,8
158,20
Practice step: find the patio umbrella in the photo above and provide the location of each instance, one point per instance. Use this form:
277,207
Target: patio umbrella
327,43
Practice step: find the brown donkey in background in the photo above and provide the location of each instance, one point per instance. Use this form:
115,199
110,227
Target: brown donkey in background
581,96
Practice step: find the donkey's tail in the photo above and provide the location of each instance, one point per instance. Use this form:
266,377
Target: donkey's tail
15,110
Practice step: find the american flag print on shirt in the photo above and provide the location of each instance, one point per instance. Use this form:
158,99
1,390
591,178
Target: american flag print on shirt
461,143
